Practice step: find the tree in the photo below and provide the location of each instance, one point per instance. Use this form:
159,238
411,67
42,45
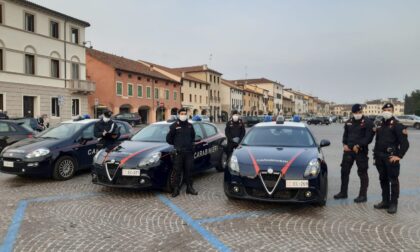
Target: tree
412,103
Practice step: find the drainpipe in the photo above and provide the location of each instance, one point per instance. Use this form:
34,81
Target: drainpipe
65,53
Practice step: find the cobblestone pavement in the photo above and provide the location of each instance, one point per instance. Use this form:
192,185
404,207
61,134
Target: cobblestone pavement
75,215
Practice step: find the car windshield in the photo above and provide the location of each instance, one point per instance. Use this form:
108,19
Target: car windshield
152,133
61,131
279,137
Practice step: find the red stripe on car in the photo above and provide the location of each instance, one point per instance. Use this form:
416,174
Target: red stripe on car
254,162
288,164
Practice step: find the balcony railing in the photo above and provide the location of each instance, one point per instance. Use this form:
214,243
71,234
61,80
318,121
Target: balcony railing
81,86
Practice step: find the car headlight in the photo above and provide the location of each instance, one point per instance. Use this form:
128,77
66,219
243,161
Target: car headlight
150,160
233,164
96,157
313,168
38,153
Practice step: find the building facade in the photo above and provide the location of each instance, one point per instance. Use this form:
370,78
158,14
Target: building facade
42,62
126,86
231,98
374,107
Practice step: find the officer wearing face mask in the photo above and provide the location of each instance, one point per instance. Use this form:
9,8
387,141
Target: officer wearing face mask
390,147
182,135
107,131
234,131
358,134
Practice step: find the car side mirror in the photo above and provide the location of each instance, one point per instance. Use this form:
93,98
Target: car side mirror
324,143
198,138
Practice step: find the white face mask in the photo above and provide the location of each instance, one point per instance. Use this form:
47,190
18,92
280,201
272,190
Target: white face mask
358,116
183,118
235,118
387,115
106,119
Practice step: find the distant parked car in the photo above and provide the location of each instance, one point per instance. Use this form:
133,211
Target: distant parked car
31,122
410,120
205,118
12,132
250,121
319,120
132,118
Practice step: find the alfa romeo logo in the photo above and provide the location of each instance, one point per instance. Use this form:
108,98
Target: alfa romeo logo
270,171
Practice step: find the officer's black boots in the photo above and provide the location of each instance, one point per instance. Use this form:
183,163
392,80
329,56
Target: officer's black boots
381,205
340,195
191,190
360,199
175,192
392,208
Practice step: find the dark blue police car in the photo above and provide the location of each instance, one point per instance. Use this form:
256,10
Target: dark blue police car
145,160
280,162
58,152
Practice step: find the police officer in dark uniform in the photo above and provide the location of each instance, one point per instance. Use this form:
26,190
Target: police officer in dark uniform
182,135
107,131
358,134
234,131
390,147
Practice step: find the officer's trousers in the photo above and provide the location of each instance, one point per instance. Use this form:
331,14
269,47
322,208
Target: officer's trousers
183,165
362,162
388,177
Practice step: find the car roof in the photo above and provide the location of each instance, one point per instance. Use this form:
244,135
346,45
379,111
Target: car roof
169,123
84,121
285,124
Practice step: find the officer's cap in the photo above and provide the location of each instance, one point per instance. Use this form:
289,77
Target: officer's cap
108,113
182,110
356,108
234,112
388,105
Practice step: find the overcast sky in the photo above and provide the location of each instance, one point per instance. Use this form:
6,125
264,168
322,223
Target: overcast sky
342,51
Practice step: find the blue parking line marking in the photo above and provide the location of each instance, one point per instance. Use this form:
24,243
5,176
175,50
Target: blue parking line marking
14,227
211,238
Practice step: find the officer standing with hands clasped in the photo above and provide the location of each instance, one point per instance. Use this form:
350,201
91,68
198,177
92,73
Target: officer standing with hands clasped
107,131
358,134
390,147
182,136
234,131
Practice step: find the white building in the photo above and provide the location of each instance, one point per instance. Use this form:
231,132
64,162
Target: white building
42,62
231,98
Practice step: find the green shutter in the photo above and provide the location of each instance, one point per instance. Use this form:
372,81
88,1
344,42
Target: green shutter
130,90
148,92
119,88
139,91
174,95
167,94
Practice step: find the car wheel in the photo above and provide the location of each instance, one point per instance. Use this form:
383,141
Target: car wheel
64,168
417,126
222,162
323,201
170,182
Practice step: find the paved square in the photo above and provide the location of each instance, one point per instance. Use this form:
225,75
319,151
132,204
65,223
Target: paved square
75,215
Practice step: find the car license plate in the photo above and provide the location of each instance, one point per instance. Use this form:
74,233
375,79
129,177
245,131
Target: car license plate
8,164
131,172
297,184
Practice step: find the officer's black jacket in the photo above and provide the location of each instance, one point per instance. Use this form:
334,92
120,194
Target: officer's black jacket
391,138
181,135
234,129
113,132
358,132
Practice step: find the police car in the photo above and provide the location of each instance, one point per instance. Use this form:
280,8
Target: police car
58,152
278,161
145,161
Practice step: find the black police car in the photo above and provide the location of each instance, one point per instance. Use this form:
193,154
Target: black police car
58,152
145,160
278,162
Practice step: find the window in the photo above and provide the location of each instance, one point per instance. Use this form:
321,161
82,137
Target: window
195,84
119,88
55,68
200,85
209,129
75,107
139,91
182,97
75,35
200,98
75,71
148,92
198,131
1,102
175,95
4,127
29,22
190,83
211,78
29,64
55,108
156,93
130,89
167,94
195,98
1,57
218,80
190,97
54,29
1,14
207,87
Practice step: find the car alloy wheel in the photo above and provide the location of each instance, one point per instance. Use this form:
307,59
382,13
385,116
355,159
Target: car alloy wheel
64,168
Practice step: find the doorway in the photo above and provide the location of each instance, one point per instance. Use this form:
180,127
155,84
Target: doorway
28,106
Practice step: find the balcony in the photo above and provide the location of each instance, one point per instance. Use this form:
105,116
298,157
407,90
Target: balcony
81,86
